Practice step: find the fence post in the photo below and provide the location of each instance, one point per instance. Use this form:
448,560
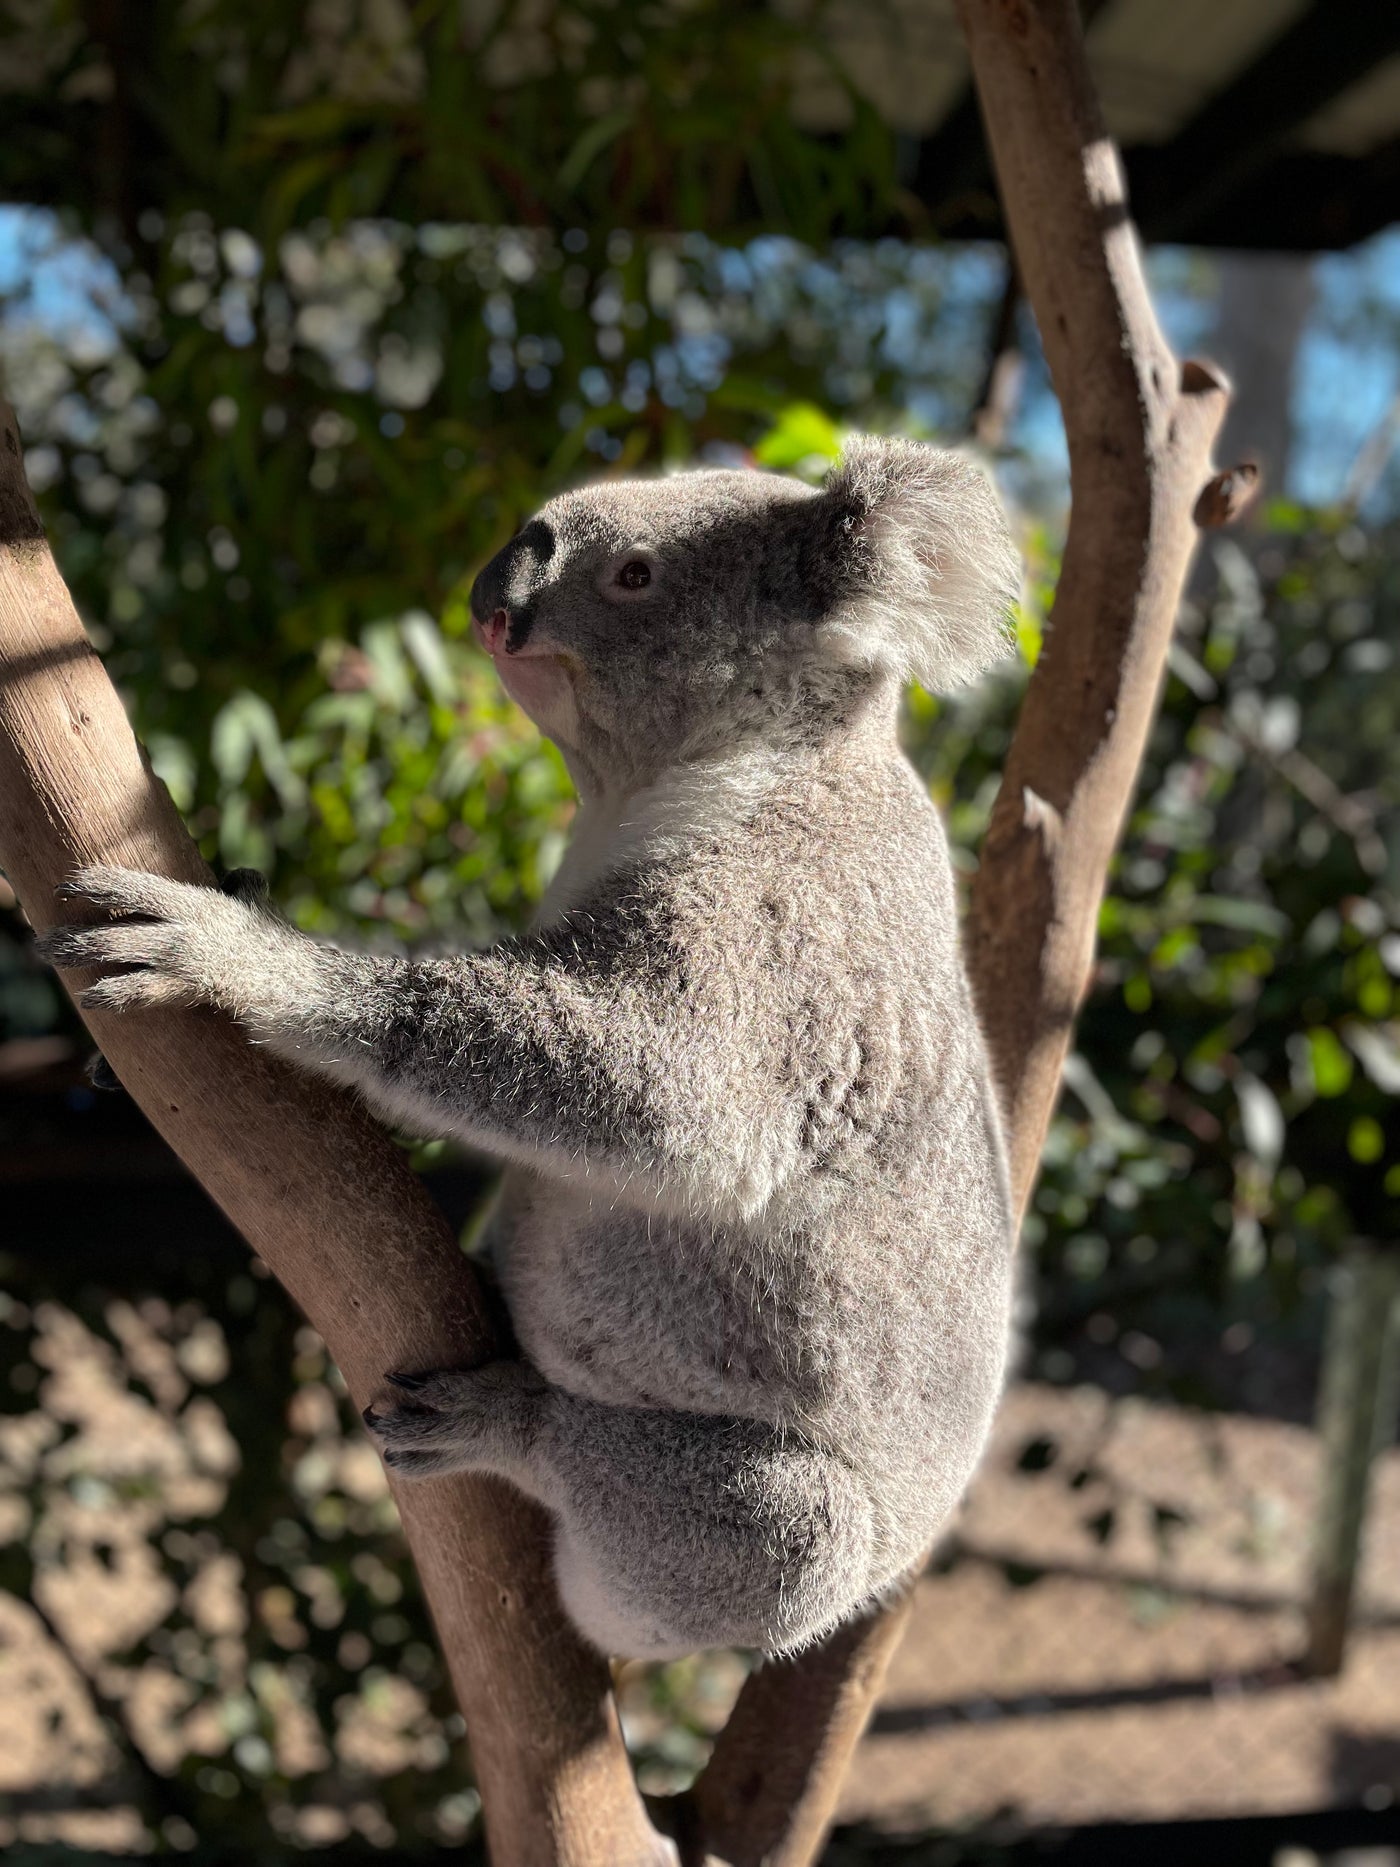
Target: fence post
1358,1394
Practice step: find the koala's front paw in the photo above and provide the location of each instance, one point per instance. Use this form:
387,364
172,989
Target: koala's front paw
177,944
459,1420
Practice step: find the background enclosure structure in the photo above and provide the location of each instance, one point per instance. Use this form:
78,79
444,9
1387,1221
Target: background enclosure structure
1268,125
349,740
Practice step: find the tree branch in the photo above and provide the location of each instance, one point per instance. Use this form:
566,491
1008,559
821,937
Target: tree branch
1139,427
324,1197
1140,430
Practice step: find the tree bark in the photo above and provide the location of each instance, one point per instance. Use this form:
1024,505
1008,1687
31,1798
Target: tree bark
1140,428
327,1201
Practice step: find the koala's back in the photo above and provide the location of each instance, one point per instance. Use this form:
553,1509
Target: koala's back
855,1287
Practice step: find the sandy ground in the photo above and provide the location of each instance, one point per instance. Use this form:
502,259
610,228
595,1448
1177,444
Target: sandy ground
1053,1678
1111,1634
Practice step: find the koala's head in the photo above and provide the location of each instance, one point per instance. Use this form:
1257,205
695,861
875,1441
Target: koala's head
642,622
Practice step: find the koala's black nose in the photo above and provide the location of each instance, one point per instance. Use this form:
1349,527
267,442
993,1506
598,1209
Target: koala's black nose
508,580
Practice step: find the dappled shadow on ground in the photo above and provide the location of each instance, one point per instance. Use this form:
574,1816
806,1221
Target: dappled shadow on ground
1113,1634
207,1615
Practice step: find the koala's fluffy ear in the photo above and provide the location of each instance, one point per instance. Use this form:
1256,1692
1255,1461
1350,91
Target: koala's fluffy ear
927,571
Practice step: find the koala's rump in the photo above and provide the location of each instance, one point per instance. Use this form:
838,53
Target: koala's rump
895,1355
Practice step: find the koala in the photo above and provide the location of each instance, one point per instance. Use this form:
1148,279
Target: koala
754,1233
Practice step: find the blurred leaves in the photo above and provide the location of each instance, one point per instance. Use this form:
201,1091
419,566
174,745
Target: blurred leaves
803,439
576,115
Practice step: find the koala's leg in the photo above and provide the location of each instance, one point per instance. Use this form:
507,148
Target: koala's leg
675,1531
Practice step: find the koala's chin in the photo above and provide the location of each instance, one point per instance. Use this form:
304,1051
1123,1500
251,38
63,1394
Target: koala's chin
542,686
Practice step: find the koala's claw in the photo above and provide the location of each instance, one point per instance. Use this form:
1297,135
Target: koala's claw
453,1415
177,944
416,1442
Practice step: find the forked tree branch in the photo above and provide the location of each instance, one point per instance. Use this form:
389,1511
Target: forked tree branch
327,1201
1140,428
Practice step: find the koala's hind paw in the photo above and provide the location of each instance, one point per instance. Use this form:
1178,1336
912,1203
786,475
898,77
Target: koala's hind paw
459,1419
100,1073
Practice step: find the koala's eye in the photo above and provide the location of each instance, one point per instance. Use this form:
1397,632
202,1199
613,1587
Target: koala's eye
634,575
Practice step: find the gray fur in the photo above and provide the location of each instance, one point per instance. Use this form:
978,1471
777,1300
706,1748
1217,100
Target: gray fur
755,1236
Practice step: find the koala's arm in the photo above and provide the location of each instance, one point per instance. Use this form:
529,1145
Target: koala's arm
571,1050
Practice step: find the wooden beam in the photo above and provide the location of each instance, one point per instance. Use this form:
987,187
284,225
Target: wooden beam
1305,201
1245,126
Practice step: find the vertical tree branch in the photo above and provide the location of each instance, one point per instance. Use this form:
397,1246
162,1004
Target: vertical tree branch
1140,429
324,1197
995,404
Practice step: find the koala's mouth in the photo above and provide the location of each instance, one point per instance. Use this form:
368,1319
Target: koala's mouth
536,674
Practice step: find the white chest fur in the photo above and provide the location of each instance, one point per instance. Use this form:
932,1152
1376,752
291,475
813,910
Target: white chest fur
688,802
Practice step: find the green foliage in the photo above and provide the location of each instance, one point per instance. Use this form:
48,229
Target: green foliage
587,114
803,439
411,784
